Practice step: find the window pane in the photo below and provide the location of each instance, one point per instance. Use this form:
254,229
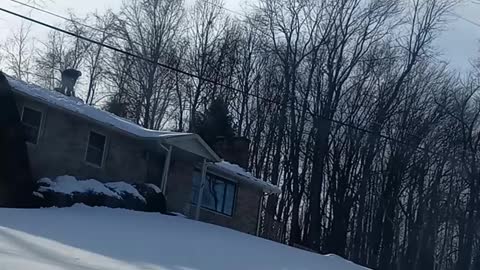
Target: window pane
95,148
229,199
31,120
94,156
31,134
218,190
218,194
197,178
31,117
195,186
208,199
97,140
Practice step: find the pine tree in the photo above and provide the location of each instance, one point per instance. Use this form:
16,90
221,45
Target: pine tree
215,122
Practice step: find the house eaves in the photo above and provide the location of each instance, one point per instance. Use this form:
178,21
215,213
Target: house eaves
237,173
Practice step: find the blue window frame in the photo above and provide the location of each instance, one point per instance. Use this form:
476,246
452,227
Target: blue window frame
219,195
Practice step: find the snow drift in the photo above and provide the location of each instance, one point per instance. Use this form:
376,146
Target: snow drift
84,238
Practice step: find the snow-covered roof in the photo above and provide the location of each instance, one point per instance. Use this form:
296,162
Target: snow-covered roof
75,106
244,176
186,141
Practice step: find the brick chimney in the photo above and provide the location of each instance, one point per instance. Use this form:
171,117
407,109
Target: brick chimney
233,150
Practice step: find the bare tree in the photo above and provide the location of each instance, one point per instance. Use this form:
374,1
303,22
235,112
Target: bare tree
150,29
18,52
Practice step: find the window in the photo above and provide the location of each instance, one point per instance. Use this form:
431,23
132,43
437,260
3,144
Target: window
31,120
95,149
218,194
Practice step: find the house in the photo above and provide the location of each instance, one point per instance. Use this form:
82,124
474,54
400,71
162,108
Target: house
67,137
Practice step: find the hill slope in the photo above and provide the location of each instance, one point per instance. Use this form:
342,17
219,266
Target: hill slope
84,238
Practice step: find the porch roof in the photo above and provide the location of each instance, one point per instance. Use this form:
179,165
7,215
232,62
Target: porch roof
230,170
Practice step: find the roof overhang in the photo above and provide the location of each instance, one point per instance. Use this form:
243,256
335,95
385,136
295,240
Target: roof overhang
187,142
191,143
251,181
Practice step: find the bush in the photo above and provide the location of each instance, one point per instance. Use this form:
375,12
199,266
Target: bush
95,199
131,202
66,191
156,201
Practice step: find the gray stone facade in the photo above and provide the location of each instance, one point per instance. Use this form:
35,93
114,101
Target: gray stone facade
62,145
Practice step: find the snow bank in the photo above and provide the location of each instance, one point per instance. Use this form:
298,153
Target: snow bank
84,238
70,185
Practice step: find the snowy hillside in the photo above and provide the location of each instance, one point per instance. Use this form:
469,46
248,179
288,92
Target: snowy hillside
83,238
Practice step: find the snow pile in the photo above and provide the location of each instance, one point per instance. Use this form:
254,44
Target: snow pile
230,168
114,239
70,185
124,188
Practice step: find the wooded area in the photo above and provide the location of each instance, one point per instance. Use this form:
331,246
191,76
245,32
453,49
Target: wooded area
374,142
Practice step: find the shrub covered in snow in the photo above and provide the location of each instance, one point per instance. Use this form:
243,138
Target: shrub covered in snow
65,191
130,197
156,202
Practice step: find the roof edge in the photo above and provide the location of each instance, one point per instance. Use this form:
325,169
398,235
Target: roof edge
258,183
192,136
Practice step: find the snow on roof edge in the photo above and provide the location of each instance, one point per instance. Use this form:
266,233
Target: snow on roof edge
109,120
243,175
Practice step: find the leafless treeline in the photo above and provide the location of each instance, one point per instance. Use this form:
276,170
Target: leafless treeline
374,142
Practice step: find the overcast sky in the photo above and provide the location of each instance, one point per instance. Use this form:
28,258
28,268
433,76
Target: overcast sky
458,44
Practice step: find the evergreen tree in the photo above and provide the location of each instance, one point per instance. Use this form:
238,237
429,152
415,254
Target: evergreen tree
116,106
215,122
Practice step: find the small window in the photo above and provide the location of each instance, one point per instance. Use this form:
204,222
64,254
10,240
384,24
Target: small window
31,120
95,149
218,194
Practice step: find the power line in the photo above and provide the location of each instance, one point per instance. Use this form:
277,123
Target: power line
224,8
465,19
52,13
113,48
361,129
75,22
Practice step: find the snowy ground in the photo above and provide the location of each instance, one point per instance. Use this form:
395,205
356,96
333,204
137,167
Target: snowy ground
84,238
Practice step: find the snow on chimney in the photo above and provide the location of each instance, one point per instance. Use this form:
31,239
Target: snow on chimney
69,79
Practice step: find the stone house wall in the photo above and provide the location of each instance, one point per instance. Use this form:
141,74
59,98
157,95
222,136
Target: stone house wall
62,145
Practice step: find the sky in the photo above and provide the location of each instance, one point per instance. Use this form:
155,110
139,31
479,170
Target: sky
458,44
